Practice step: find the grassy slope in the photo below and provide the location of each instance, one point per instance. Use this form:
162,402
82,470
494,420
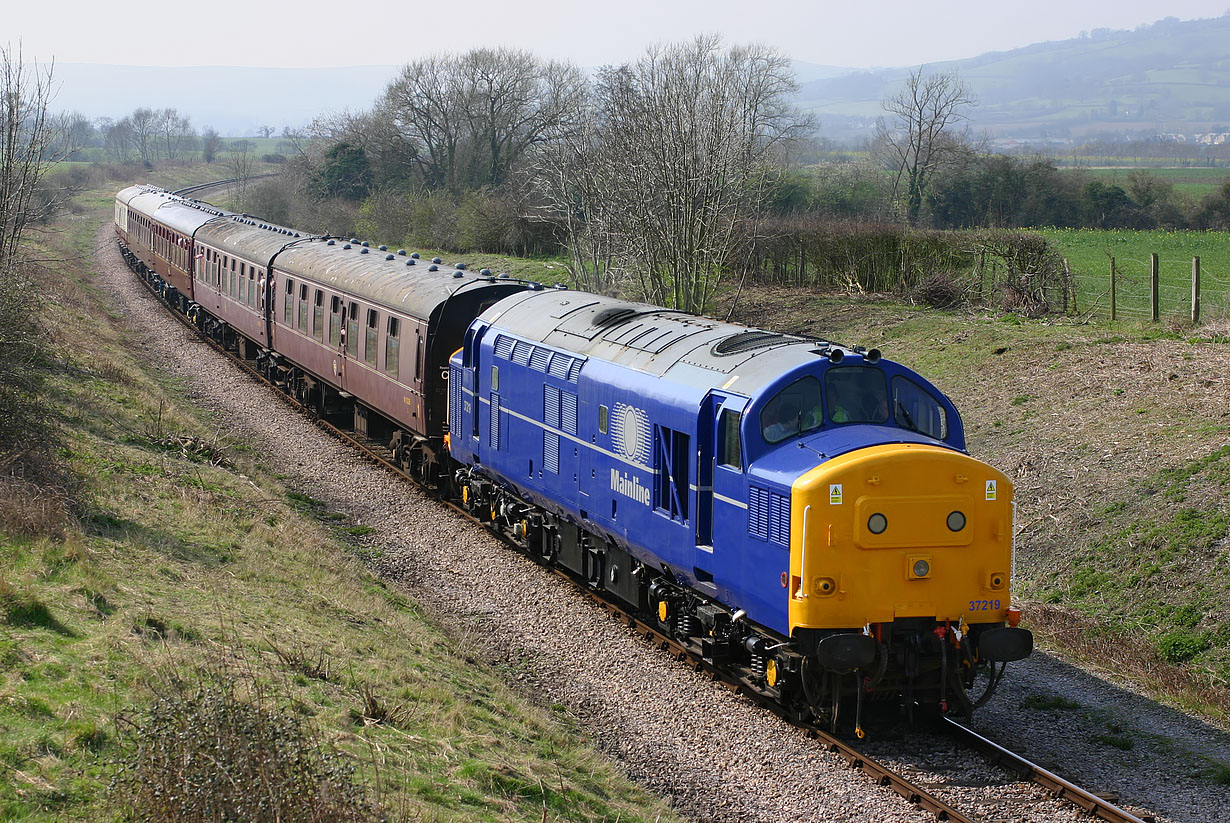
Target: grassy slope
1115,436
179,562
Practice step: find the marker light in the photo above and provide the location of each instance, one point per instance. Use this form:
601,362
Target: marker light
877,523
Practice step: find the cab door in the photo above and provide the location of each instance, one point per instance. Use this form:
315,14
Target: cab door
721,508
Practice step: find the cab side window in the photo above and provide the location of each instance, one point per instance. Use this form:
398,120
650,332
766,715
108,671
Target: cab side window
914,408
729,442
794,410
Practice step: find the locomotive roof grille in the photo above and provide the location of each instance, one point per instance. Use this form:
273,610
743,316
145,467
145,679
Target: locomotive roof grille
611,316
747,341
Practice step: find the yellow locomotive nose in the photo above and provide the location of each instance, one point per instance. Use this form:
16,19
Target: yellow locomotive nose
895,531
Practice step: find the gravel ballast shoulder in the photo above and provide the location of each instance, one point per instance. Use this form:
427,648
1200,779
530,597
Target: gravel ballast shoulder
714,754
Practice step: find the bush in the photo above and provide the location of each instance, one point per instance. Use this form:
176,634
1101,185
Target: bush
204,753
1181,645
941,290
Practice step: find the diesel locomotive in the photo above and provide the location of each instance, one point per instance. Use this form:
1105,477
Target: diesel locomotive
802,513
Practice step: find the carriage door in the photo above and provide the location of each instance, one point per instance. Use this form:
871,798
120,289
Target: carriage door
719,461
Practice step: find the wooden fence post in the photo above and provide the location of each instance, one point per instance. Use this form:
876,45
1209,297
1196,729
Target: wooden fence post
1153,302
1195,290
1067,278
1112,288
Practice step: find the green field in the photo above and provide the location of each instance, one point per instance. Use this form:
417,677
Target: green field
1089,252
1193,182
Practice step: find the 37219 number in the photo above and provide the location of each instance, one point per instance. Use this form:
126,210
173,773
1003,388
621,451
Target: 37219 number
984,605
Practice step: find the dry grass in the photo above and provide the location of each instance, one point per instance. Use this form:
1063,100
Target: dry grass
1116,655
30,509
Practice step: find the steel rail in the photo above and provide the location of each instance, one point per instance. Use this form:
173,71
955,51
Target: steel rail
199,186
381,456
1028,770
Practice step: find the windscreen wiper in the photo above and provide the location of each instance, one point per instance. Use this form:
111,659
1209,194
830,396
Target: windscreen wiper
909,422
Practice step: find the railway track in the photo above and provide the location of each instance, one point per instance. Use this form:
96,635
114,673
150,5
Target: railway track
1023,769
190,190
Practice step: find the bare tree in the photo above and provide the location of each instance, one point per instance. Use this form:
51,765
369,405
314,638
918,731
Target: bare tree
466,122
116,138
174,132
293,140
78,132
266,131
514,101
211,144
142,128
241,159
927,132
27,138
681,150
570,176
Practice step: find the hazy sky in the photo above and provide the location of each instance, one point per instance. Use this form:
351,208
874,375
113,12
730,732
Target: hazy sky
859,33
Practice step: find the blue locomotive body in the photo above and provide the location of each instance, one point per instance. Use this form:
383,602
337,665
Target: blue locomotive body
656,449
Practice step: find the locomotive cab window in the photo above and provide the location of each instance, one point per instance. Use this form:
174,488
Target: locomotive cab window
856,394
793,411
604,419
914,408
729,442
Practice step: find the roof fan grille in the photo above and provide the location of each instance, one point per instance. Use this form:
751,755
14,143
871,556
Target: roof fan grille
746,341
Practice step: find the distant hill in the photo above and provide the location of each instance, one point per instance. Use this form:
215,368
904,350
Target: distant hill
233,100
1169,77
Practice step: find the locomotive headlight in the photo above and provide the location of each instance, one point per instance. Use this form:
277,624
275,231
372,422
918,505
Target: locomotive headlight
877,523
956,521
921,568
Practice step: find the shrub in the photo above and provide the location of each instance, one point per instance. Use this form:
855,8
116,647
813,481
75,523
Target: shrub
1180,645
205,753
940,289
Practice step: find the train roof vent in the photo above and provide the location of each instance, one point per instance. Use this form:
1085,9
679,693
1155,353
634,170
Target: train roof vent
746,341
611,316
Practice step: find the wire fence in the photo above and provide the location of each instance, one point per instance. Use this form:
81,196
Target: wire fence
1186,290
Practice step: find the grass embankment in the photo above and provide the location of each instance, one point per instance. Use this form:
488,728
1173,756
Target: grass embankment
190,570
1089,251
1115,436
